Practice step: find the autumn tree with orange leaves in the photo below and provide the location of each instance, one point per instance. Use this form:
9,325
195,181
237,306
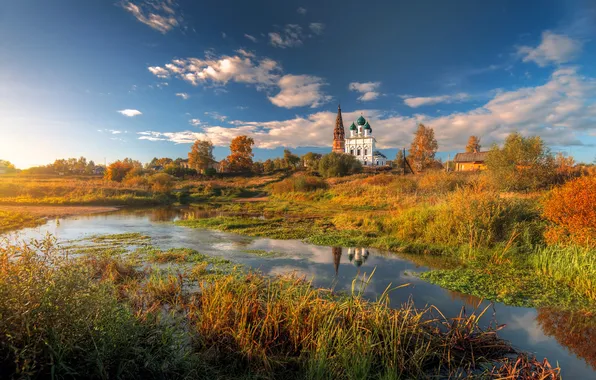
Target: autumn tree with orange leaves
571,209
423,148
240,158
473,144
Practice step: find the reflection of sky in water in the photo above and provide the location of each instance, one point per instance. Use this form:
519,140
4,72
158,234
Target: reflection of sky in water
326,267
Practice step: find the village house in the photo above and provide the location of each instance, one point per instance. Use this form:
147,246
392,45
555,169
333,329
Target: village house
470,161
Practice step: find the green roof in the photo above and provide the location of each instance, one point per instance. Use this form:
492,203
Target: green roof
353,127
361,120
367,126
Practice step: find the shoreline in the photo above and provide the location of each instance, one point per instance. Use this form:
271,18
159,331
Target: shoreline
45,211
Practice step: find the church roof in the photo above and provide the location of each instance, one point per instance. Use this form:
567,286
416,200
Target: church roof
361,120
353,127
367,126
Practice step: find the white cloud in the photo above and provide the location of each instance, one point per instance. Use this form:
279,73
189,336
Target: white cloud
158,14
557,111
428,100
317,27
246,68
112,131
194,122
290,36
224,35
369,90
159,72
130,112
183,95
252,38
554,48
216,116
301,10
300,90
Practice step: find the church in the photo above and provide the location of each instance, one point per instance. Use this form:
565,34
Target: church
360,143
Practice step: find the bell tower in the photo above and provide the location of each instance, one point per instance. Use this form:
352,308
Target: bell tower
339,133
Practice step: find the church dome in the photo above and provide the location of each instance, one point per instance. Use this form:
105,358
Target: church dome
361,120
352,127
367,126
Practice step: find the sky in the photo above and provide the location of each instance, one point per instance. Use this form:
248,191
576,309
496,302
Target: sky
108,79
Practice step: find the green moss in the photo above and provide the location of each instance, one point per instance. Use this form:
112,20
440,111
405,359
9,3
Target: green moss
512,286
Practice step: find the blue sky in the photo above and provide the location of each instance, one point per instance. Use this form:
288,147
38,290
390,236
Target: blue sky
112,79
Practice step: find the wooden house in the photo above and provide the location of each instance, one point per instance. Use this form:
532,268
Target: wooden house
473,161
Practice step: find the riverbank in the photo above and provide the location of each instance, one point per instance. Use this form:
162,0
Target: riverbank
203,318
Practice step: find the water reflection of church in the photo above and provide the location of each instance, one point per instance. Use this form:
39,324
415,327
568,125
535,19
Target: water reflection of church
357,256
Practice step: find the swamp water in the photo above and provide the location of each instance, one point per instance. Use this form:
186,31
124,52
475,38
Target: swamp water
557,335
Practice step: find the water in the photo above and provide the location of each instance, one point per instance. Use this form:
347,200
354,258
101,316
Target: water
559,336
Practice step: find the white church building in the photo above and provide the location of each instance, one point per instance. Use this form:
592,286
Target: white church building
361,144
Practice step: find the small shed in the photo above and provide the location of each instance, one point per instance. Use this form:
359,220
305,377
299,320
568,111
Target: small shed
470,161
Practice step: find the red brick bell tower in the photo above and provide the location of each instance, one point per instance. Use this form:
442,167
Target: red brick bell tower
339,133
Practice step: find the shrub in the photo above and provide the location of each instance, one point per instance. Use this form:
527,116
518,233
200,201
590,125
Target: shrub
136,181
339,165
161,182
299,183
571,209
524,163
210,172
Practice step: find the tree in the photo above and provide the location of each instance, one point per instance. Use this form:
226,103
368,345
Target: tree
8,166
200,156
423,148
523,163
268,166
291,160
473,144
258,167
311,160
399,160
339,165
117,170
240,158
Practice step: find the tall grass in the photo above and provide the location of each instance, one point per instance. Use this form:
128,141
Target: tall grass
573,266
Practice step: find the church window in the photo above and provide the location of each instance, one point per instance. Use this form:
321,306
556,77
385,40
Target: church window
365,151
358,154
352,151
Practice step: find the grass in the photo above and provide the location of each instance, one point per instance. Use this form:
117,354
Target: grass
263,253
109,318
15,220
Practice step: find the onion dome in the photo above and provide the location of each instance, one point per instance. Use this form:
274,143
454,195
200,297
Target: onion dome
367,126
353,127
361,120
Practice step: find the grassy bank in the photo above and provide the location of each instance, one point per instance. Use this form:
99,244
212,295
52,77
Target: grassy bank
107,315
14,220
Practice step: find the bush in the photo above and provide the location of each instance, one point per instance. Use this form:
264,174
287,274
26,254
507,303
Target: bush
571,209
136,181
210,172
339,165
161,182
179,171
299,183
524,163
